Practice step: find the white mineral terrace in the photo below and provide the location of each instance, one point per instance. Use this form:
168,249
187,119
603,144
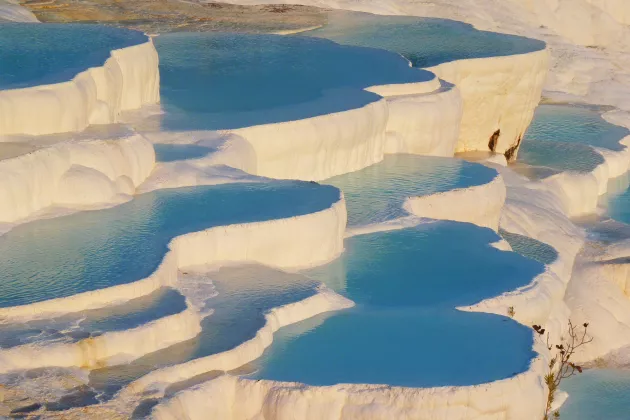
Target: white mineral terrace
459,112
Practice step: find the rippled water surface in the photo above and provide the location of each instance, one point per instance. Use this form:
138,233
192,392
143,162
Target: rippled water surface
220,80
77,326
35,54
597,394
95,249
244,294
377,193
530,248
423,41
405,329
560,137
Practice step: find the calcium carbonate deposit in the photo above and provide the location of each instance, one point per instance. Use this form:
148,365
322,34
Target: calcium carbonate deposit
356,212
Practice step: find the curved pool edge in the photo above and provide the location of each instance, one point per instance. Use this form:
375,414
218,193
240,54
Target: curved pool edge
128,79
520,397
110,348
273,242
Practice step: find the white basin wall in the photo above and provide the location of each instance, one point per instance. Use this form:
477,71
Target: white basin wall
418,118
424,124
228,397
480,205
75,174
128,79
617,9
110,348
290,243
490,94
499,93
319,147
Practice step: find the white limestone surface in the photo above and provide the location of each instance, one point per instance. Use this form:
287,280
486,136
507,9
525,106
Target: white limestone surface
11,11
127,80
420,118
597,295
290,243
499,96
110,348
578,193
320,147
424,124
73,174
480,205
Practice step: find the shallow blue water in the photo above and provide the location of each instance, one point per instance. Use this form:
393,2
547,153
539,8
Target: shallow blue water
597,394
221,80
530,248
377,193
575,124
174,152
35,54
245,293
560,137
405,330
95,249
134,313
423,41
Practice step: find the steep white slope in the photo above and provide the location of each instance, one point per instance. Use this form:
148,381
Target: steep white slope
127,80
598,294
319,147
108,349
424,123
480,205
617,9
11,11
499,96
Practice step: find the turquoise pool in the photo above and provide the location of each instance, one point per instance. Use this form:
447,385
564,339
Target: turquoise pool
560,137
597,394
223,81
424,42
43,53
91,250
405,329
530,248
245,294
376,194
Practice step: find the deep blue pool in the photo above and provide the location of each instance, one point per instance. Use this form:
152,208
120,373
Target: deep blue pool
95,249
43,53
424,42
405,329
222,80
376,194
